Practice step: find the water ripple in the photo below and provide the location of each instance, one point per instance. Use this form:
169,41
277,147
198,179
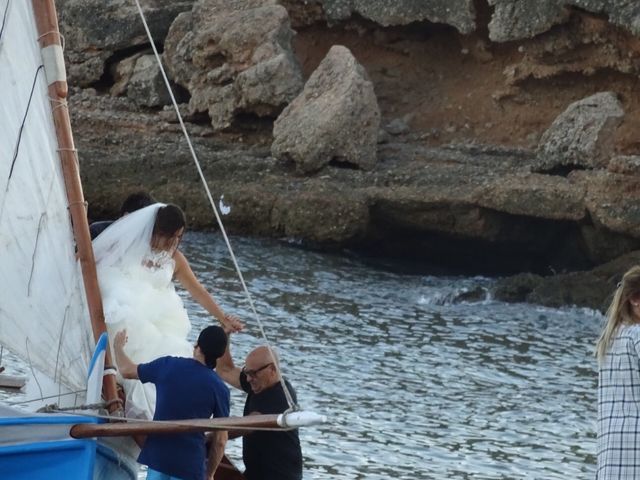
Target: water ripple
423,377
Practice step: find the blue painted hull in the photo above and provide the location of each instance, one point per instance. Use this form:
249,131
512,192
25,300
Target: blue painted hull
39,447
67,460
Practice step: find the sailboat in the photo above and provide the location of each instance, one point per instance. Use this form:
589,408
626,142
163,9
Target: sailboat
51,311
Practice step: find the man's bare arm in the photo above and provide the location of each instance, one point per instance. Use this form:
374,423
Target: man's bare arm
226,368
218,443
127,368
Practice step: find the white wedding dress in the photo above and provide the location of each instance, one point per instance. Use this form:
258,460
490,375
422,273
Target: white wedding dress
138,294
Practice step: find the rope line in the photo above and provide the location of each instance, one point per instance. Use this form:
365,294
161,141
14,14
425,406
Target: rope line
4,18
35,251
33,373
287,394
24,119
61,103
20,402
55,32
55,408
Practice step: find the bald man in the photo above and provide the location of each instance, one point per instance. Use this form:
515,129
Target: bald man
267,455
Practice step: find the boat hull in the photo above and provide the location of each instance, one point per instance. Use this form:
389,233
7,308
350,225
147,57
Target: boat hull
39,447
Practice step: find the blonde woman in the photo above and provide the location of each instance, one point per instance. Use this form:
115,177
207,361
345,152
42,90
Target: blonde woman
618,353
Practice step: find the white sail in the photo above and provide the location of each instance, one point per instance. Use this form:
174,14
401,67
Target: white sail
43,314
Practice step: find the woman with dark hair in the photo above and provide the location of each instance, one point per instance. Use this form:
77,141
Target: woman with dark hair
137,258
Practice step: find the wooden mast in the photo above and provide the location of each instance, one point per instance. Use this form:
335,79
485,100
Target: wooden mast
49,36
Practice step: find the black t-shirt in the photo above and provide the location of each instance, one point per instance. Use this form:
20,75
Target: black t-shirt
270,455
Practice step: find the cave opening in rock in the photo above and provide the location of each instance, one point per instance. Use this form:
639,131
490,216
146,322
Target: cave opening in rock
512,245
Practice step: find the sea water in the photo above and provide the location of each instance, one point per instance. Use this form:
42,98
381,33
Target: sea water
416,384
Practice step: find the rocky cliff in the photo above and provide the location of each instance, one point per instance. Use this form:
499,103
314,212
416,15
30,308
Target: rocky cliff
494,137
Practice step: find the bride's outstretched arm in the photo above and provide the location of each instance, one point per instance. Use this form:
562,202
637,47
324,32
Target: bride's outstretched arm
188,280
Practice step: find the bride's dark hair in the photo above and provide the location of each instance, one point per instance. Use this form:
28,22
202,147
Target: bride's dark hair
169,220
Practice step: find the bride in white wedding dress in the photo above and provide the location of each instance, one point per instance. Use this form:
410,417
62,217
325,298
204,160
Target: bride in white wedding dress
137,258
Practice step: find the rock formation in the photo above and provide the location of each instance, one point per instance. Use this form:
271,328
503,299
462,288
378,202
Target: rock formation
476,168
94,30
459,13
234,57
335,118
583,135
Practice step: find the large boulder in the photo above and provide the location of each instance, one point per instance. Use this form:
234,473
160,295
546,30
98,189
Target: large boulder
519,19
625,13
336,117
583,134
512,20
234,57
458,13
94,30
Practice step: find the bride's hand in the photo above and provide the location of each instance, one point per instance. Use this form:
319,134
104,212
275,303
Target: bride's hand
232,324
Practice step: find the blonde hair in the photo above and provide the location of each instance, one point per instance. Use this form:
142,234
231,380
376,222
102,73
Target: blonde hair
620,311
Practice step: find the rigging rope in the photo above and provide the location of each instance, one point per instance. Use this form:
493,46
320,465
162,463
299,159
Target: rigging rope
292,405
4,19
39,399
24,119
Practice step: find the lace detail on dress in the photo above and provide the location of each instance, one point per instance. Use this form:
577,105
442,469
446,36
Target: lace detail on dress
157,260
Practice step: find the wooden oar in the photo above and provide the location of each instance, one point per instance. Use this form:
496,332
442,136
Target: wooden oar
129,428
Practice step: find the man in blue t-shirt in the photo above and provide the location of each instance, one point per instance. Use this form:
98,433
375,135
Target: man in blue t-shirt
185,388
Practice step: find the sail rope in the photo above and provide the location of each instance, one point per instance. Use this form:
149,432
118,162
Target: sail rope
292,405
61,103
24,120
39,399
35,251
4,19
54,32
33,373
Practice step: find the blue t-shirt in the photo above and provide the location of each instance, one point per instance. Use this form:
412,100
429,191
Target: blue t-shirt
185,389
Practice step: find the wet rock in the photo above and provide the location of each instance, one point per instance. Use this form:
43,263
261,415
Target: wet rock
336,117
234,57
517,288
582,135
458,13
580,289
474,295
592,289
